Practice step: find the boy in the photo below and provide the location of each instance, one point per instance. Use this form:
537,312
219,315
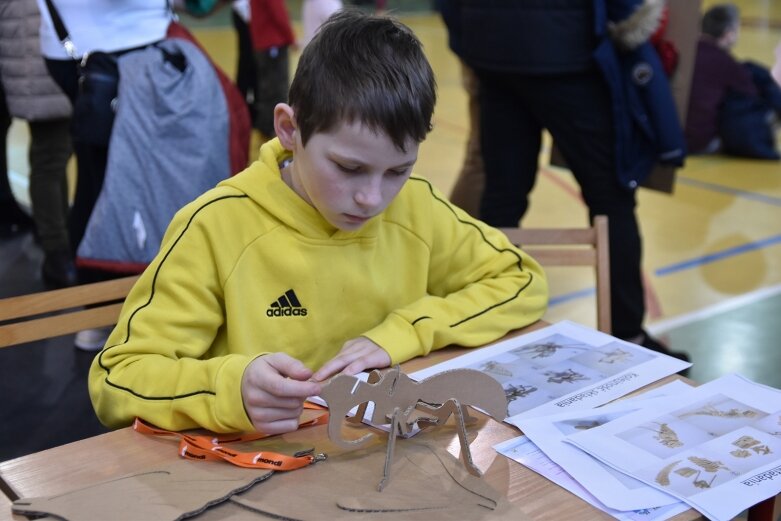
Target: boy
323,255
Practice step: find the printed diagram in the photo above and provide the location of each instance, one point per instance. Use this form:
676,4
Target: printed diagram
706,444
744,443
495,369
568,376
546,349
584,423
513,392
665,435
693,471
719,415
554,366
616,356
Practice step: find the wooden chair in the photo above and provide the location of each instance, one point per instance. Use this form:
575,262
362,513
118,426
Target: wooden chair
48,314
572,247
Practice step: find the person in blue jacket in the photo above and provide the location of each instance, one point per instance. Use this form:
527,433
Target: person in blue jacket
585,71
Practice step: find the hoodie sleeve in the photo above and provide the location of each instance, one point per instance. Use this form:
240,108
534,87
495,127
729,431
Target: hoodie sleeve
480,286
156,364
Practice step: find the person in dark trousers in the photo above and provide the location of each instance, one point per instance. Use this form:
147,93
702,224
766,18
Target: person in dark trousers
28,93
272,36
558,66
246,75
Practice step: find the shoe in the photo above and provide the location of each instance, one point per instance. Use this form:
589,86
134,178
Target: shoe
58,270
92,339
653,344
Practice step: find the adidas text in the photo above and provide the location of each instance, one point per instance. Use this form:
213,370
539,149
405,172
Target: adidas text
286,312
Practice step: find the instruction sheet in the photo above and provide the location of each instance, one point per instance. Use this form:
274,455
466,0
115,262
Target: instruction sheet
522,450
612,488
716,447
563,367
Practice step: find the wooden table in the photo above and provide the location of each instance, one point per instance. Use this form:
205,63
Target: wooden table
5,508
124,451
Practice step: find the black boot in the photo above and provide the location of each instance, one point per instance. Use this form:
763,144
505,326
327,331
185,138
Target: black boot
655,345
58,270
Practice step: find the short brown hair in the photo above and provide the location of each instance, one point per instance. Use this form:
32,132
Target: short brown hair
368,69
719,19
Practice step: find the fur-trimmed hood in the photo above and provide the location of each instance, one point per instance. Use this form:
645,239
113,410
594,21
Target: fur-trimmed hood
638,27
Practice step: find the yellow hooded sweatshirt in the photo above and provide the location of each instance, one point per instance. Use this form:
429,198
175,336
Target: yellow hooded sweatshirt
250,268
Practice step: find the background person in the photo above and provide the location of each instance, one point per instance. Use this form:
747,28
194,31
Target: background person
95,25
31,95
716,72
568,67
272,36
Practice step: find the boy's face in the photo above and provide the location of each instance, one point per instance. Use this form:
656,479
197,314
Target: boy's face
349,174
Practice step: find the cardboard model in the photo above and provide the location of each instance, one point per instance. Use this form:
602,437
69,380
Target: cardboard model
405,404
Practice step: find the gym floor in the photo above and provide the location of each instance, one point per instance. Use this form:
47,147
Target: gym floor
712,249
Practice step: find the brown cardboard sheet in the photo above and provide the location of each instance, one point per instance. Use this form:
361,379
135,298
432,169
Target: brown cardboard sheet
175,491
429,483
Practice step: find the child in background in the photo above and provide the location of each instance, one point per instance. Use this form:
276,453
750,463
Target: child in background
325,256
716,72
732,104
271,35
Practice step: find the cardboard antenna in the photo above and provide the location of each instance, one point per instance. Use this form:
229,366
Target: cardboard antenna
405,403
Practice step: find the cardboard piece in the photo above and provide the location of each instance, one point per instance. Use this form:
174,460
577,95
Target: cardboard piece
435,486
405,404
176,491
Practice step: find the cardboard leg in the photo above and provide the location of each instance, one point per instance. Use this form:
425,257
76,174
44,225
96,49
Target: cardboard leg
391,446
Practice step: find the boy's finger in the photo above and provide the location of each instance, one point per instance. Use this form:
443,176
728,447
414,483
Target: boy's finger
331,367
289,387
288,366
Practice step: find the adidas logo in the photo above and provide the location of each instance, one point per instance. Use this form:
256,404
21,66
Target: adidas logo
287,305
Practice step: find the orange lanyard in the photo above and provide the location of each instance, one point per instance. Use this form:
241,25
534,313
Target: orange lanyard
193,446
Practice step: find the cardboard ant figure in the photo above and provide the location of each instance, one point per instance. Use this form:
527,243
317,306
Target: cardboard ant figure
405,403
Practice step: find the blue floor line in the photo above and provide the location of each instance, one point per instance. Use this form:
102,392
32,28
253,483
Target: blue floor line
775,201
680,266
713,257
567,297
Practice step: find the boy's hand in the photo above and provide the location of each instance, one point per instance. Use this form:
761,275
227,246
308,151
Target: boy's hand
273,388
356,355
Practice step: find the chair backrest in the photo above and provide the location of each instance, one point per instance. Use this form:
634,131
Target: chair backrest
59,312
572,247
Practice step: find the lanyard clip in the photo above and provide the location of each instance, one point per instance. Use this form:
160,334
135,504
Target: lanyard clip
321,456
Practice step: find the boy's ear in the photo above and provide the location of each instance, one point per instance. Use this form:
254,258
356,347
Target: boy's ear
285,125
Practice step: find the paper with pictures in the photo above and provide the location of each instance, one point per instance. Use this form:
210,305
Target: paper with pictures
717,447
522,450
612,488
563,367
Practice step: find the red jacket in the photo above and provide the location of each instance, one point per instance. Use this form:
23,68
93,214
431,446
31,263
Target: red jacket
270,25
